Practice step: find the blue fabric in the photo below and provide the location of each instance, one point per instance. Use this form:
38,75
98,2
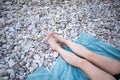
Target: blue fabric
63,71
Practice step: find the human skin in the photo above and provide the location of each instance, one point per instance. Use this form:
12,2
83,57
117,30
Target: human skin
91,70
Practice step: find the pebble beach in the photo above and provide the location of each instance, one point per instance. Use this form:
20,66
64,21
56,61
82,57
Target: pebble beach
24,27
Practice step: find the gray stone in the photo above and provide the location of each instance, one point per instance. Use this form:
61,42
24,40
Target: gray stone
1,1
21,78
5,78
36,56
11,63
45,46
33,67
13,55
3,72
12,73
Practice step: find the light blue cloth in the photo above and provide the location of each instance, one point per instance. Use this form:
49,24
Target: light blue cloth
63,71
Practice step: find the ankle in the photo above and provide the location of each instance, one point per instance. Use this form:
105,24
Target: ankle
63,41
57,48
82,63
66,42
89,55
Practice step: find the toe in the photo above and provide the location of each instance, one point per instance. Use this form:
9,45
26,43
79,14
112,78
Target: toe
49,36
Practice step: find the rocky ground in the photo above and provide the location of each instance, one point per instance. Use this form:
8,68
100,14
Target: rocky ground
23,29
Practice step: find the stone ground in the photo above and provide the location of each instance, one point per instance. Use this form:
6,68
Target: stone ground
23,29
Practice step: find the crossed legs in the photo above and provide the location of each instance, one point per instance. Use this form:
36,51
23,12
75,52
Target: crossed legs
105,73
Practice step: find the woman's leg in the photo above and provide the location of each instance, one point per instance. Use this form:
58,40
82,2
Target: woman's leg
92,71
110,65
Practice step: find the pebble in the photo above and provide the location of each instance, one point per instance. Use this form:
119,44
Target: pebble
27,65
21,78
13,55
12,73
22,57
3,72
11,63
36,56
33,67
55,54
44,46
23,30
46,56
5,78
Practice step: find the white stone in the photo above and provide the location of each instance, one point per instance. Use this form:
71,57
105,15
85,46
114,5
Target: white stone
60,31
37,62
22,57
28,65
36,56
46,56
11,63
33,67
55,54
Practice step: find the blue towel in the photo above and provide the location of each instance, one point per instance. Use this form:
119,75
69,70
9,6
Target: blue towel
63,71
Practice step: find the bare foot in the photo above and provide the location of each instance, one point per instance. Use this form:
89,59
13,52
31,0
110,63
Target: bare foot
52,42
59,38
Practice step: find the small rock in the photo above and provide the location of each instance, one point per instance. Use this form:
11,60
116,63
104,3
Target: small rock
60,31
28,65
45,46
21,78
45,63
37,62
1,44
13,55
46,56
11,63
12,73
5,78
55,54
36,56
3,72
33,67
22,57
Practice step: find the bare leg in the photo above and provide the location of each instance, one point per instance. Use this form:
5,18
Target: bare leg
92,71
110,65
